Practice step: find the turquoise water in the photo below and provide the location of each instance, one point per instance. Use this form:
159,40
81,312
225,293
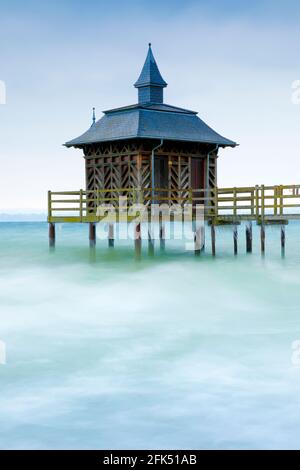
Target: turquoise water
174,351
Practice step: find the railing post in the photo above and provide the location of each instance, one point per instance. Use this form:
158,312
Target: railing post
215,189
281,200
252,202
234,202
257,202
262,202
49,204
276,191
210,201
190,196
80,205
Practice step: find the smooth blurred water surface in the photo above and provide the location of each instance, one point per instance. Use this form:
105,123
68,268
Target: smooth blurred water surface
175,351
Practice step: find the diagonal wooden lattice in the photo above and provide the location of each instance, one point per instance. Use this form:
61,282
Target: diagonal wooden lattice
112,172
212,173
179,177
145,177
122,165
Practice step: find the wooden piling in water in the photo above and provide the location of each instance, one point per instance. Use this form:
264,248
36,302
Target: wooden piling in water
262,237
138,241
235,239
92,234
199,239
197,247
51,235
203,237
249,237
111,236
213,239
150,243
162,236
282,236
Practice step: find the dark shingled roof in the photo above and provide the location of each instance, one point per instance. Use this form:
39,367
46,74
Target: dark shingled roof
150,120
138,121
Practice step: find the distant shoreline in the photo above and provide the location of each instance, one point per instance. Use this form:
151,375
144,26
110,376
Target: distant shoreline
23,216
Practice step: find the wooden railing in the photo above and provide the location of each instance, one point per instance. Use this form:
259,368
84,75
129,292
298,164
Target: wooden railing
239,203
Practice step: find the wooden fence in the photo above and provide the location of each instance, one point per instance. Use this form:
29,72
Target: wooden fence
258,203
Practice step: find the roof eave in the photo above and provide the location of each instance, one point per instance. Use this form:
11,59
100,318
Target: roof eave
82,144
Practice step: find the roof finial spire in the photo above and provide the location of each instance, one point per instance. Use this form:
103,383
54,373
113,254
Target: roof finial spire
94,116
150,82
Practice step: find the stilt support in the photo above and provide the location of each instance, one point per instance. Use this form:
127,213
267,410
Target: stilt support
111,236
51,235
150,243
282,236
138,241
203,237
162,236
213,239
92,234
235,239
262,238
249,238
199,239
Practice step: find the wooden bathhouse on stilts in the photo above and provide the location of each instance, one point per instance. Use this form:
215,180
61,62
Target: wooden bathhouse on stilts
160,152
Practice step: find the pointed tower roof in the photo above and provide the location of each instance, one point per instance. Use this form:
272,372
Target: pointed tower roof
150,118
150,74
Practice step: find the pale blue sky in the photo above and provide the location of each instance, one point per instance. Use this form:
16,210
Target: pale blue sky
232,61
